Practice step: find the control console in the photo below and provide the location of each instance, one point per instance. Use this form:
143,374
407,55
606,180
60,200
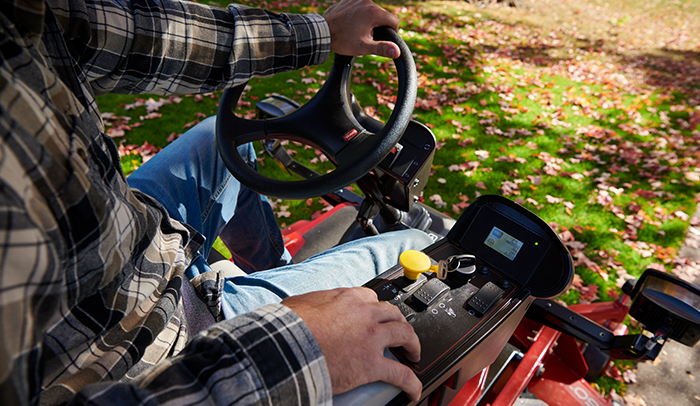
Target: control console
465,294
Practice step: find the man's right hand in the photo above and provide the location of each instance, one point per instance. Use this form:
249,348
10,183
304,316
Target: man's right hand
353,328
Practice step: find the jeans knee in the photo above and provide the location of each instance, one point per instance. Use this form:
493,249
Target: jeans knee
247,152
205,128
417,239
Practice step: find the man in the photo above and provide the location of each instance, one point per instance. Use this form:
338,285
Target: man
95,275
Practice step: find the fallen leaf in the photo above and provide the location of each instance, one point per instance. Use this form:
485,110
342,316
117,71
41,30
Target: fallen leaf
283,212
482,154
509,188
634,400
437,200
681,215
553,200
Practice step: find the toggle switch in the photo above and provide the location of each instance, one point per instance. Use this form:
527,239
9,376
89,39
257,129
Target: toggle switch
485,298
430,291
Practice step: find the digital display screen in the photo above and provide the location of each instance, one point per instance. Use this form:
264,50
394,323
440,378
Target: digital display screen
504,243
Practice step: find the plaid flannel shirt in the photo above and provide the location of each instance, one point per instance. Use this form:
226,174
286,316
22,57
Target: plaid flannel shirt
91,271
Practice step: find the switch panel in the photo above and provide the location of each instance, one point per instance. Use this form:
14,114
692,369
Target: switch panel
442,312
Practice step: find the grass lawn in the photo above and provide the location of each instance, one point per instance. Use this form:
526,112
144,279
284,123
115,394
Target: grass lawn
585,112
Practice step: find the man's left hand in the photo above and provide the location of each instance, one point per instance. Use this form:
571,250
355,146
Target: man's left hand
352,22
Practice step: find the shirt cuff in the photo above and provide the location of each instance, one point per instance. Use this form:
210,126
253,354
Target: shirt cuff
313,38
278,342
265,43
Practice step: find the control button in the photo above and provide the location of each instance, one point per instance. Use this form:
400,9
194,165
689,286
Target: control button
414,263
402,165
483,269
504,283
485,298
406,310
430,291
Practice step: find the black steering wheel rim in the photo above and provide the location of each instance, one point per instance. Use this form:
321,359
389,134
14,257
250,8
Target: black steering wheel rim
354,149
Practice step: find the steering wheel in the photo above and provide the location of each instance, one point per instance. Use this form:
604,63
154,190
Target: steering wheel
325,122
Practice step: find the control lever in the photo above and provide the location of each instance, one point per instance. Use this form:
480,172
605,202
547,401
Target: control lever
364,217
374,197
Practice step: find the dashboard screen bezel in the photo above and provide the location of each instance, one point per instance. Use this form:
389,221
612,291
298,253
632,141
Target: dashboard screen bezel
525,263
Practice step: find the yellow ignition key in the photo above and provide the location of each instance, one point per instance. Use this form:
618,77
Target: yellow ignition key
415,263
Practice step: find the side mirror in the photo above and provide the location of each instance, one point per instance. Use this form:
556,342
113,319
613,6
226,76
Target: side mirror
667,306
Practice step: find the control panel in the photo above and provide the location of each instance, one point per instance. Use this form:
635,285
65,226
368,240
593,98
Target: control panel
465,294
445,311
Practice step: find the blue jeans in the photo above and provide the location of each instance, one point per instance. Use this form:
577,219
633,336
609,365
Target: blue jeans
190,180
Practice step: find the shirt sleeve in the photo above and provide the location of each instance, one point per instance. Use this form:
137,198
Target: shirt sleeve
268,356
31,285
178,47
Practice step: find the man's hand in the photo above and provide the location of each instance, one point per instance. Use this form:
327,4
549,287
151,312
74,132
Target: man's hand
351,23
353,328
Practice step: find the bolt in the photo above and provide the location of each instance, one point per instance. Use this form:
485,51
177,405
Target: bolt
540,370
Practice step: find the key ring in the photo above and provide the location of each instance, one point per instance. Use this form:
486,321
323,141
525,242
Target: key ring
464,264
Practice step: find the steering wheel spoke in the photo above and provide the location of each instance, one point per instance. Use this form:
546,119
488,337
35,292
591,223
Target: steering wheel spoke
326,122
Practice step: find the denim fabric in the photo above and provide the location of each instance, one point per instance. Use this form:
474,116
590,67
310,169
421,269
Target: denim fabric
190,180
